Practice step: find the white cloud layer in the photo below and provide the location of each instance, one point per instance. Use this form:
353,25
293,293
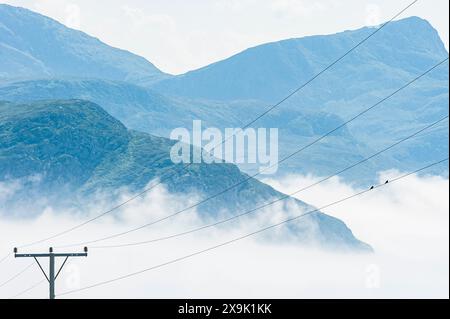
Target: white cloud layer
406,222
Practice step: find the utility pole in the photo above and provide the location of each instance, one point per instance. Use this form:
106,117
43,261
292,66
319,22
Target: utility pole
51,278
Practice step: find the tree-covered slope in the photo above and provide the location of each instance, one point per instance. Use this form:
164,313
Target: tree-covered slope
75,145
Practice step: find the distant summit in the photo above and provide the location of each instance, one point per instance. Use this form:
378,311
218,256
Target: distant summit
35,46
270,71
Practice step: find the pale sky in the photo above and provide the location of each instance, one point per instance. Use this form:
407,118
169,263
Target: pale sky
178,35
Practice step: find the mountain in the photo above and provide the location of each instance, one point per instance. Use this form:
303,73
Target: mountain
394,56
137,107
146,110
270,71
75,147
232,92
35,46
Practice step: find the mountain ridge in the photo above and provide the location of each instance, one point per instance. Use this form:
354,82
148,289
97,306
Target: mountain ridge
210,82
49,49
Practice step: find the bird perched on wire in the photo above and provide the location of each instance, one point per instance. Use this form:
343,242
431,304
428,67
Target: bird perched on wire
387,182
371,187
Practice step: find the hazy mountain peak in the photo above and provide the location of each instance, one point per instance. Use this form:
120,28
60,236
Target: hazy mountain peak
270,71
35,46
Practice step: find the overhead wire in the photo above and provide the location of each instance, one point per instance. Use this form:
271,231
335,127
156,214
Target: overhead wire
162,179
284,197
249,177
129,275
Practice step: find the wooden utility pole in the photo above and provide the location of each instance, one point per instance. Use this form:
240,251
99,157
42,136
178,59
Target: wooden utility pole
51,278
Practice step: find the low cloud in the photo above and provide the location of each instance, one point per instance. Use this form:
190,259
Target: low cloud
10,187
406,222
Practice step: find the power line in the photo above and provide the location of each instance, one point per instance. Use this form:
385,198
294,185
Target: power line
16,275
256,174
32,287
28,289
267,204
162,179
263,206
5,257
249,234
278,199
